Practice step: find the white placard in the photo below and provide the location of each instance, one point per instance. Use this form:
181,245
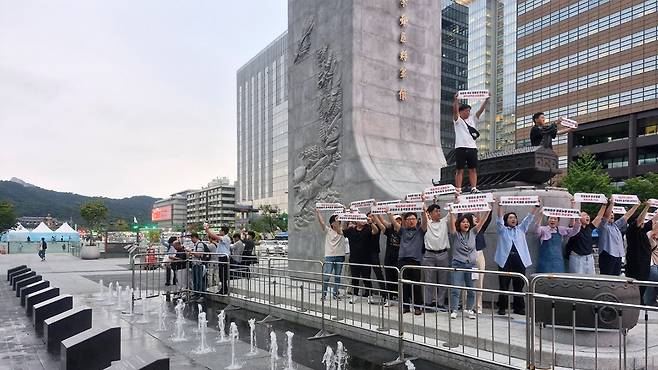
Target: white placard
519,200
476,198
568,123
362,203
388,202
619,210
648,216
439,190
625,199
469,207
379,209
448,206
590,198
653,203
561,212
414,197
406,207
352,217
329,207
472,94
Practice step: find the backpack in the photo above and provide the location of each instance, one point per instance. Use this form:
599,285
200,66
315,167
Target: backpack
205,257
45,245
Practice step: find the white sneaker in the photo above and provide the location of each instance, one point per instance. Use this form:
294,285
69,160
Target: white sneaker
479,312
353,300
388,303
453,315
471,314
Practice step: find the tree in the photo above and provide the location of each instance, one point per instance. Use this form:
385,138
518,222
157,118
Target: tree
7,216
153,236
121,225
195,227
94,213
269,220
645,187
586,175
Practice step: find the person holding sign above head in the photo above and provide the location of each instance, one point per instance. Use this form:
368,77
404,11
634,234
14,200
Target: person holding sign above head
437,244
390,255
412,240
551,236
334,252
611,240
464,256
466,153
543,133
580,247
360,241
512,254
651,292
638,250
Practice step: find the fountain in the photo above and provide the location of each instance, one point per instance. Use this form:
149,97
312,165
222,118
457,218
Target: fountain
341,356
108,294
119,300
198,324
129,299
180,322
203,346
221,324
162,314
145,317
328,359
274,351
410,365
289,364
252,338
101,293
233,334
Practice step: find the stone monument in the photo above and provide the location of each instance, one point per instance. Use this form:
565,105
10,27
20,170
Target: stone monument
363,116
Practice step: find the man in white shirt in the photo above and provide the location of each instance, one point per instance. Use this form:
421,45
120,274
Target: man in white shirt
436,254
466,153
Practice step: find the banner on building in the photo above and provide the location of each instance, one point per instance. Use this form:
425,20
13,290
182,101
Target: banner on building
406,207
362,203
161,213
329,207
472,94
519,200
476,198
590,198
625,199
439,190
561,212
469,207
566,122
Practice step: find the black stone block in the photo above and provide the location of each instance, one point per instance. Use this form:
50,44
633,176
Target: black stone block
65,325
49,308
25,282
43,284
14,269
16,273
143,361
38,297
16,278
92,349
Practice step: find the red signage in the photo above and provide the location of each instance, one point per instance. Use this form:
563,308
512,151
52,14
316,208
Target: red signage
161,213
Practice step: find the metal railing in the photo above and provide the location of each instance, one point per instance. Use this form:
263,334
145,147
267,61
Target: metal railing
306,287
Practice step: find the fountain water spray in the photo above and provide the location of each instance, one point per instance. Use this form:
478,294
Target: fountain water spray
203,346
108,294
162,314
145,315
289,365
233,334
198,324
328,359
180,322
274,351
410,365
341,356
129,299
101,293
221,324
252,338
119,300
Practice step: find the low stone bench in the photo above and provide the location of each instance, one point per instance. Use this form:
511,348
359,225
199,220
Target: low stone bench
14,269
16,278
18,273
31,288
38,297
49,308
25,282
65,325
143,361
94,348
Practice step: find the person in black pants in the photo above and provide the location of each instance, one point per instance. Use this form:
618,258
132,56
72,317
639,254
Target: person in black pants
374,257
391,255
360,239
168,266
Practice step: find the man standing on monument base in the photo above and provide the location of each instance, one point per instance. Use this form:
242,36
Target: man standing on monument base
466,152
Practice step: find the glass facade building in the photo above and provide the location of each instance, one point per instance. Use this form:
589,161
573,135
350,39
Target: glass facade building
262,127
595,62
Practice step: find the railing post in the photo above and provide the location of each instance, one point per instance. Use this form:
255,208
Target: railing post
323,333
269,317
132,285
530,327
401,359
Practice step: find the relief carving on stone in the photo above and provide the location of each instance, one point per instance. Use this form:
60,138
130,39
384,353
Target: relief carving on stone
304,44
313,178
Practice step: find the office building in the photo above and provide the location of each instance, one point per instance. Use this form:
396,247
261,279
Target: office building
262,127
454,65
214,204
171,213
594,62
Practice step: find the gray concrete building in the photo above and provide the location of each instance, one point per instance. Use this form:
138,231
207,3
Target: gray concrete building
262,127
171,212
214,204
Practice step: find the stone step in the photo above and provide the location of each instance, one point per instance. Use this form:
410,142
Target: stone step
31,288
103,342
18,273
38,297
49,308
14,269
16,278
25,282
65,325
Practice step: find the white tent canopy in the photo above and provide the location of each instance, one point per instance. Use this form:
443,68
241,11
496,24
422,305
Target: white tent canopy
20,228
42,228
65,229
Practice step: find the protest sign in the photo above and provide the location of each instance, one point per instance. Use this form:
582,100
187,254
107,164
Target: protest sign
653,203
476,198
590,198
356,217
388,202
414,197
625,199
379,209
519,200
406,207
649,216
469,207
568,123
439,190
472,94
329,206
561,212
362,203
618,210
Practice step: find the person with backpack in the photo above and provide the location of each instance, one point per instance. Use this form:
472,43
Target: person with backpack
42,249
466,152
224,248
199,254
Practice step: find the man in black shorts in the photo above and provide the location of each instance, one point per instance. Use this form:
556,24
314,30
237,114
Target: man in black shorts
466,152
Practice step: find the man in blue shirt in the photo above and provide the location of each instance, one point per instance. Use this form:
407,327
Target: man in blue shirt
224,248
611,240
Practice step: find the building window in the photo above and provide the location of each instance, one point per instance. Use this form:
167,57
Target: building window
562,162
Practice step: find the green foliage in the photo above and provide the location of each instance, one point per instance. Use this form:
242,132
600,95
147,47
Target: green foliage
153,236
94,213
645,187
121,225
7,216
586,175
195,227
269,220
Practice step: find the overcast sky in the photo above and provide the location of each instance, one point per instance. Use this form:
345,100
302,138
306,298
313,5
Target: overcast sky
125,97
